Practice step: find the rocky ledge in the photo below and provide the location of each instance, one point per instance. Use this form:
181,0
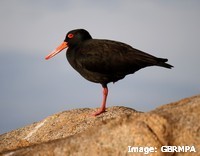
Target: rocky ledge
170,130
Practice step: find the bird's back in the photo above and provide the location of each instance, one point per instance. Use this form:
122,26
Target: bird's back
111,59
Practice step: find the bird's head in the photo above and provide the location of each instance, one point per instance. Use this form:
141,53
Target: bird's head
73,37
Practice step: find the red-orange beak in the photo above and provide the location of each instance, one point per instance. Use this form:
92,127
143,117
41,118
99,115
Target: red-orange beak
57,50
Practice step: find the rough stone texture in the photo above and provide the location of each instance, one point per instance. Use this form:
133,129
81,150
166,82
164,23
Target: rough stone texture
58,126
75,132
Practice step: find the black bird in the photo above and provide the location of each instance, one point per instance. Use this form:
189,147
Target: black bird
103,61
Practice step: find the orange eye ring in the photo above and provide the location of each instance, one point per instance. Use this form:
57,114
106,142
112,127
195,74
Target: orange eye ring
70,35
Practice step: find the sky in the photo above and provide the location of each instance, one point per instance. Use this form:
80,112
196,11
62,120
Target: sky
32,88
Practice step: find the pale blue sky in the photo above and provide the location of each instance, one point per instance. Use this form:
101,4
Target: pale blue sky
32,88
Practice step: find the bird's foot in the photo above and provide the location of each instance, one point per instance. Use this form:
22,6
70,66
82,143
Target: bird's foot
98,112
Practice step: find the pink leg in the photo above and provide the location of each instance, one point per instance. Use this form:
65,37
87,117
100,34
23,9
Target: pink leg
103,105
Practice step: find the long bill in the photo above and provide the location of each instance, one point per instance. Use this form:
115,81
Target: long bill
57,50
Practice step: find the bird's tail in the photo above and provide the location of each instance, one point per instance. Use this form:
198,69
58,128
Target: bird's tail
162,63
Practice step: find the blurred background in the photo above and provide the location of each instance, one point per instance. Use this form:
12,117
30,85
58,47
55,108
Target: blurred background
32,88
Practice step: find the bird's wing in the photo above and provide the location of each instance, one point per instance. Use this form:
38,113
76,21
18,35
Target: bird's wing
105,56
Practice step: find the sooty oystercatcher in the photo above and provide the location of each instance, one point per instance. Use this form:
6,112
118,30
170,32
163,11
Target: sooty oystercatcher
103,61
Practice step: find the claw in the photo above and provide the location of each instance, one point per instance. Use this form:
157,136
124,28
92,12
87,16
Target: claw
98,112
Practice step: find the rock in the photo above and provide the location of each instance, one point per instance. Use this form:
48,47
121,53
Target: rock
58,126
115,132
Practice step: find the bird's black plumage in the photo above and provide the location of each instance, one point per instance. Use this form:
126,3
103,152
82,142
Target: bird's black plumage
104,61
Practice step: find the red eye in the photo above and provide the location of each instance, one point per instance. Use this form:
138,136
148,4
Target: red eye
70,35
